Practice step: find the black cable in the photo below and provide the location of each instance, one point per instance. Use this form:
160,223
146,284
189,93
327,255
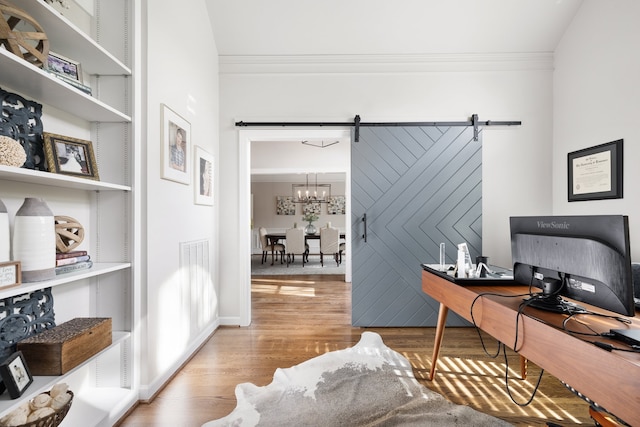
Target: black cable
475,325
506,381
502,346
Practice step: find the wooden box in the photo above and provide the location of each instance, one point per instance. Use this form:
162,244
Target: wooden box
58,350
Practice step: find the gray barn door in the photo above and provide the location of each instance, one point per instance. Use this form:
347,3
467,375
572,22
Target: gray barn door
417,186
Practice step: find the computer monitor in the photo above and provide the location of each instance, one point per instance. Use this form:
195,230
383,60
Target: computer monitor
585,258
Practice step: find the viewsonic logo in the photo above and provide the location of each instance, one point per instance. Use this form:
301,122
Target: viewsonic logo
553,224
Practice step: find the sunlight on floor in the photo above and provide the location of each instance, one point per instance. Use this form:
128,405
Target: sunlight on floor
280,289
472,380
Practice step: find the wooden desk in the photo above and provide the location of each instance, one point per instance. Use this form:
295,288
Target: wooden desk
611,379
274,238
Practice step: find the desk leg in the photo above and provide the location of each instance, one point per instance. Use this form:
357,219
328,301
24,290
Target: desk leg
442,320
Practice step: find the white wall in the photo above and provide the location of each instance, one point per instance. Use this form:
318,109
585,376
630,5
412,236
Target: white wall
596,95
516,166
181,72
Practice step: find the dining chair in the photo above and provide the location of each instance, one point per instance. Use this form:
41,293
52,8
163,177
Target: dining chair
329,243
296,245
341,249
268,247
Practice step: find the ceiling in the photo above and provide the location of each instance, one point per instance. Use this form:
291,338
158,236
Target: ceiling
386,27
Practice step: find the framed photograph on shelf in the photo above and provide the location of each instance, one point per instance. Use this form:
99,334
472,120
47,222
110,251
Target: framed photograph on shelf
70,156
15,374
595,173
10,274
176,146
203,177
64,67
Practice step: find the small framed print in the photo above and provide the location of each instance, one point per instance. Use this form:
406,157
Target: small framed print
70,156
595,173
10,274
203,177
15,374
64,67
176,146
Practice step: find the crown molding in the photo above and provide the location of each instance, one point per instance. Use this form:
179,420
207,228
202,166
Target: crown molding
367,64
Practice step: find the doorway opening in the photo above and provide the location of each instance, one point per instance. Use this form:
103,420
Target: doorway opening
278,161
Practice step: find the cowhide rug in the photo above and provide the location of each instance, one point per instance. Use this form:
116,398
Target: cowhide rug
366,385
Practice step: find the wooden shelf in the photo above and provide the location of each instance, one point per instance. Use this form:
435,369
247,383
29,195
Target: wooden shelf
30,176
97,269
67,39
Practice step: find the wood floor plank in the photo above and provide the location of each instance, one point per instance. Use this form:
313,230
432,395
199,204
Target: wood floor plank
295,318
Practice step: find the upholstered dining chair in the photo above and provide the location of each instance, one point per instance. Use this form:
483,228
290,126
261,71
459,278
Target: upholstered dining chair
329,243
266,247
296,245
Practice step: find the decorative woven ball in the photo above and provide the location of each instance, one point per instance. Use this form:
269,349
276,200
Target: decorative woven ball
69,233
21,35
11,152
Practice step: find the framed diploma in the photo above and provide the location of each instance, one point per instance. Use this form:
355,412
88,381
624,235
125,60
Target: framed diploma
596,173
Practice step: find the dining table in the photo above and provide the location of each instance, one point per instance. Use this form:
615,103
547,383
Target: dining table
273,238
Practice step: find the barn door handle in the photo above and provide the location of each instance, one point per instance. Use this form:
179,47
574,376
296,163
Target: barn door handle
364,220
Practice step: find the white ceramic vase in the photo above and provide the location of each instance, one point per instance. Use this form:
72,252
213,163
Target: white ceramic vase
34,240
5,242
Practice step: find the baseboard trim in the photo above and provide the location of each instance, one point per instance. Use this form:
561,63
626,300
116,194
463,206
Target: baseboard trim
230,321
150,391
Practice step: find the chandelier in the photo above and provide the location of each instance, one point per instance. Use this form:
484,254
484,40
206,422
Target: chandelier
314,193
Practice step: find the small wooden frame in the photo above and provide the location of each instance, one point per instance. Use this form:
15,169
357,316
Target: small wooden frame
70,156
10,274
15,374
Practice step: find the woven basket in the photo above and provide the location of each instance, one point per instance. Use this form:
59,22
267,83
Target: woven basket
54,419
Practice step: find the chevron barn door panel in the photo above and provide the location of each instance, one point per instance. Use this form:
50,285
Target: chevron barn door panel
418,186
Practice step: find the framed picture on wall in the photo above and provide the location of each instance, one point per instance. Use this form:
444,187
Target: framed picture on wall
595,173
285,205
176,146
336,205
311,208
203,167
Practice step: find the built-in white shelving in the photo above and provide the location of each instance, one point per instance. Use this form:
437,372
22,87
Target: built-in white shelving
105,385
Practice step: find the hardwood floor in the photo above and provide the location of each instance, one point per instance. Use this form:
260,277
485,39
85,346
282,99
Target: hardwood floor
296,318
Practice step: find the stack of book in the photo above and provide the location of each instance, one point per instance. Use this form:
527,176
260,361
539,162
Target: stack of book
72,261
71,82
